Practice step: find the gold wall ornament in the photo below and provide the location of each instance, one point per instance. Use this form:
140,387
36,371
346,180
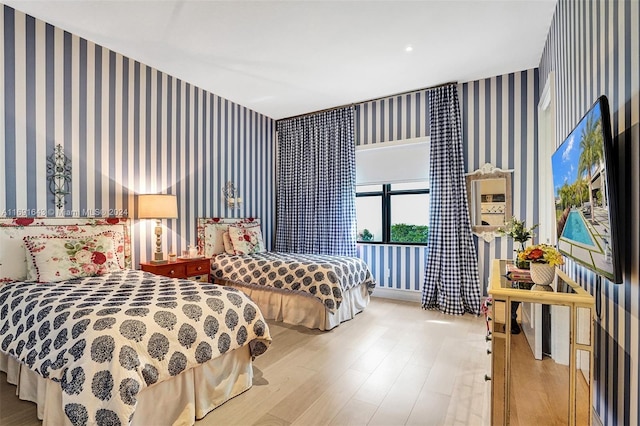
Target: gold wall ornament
59,175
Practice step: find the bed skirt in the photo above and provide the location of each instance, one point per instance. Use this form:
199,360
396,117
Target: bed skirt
179,401
302,308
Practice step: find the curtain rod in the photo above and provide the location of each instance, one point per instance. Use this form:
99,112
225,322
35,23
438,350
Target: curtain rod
368,100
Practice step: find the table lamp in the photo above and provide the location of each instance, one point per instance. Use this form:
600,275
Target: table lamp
158,207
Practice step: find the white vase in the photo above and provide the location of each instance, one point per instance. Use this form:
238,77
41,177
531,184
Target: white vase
542,273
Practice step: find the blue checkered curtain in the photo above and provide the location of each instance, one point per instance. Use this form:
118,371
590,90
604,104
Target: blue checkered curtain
316,184
451,282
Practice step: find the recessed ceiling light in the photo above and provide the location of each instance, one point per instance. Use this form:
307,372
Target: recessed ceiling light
409,48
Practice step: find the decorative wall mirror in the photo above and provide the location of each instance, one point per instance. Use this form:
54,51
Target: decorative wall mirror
490,200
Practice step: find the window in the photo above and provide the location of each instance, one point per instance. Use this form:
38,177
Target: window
369,212
392,192
393,213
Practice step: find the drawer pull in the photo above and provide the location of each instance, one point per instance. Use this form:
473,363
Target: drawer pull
488,351
199,268
172,272
487,338
487,377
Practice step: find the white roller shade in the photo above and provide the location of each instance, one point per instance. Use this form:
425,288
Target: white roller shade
393,162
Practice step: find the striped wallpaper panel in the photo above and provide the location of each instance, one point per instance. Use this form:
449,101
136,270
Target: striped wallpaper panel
500,126
395,267
593,48
394,118
128,129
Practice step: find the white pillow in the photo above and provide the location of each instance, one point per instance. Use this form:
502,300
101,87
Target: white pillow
246,239
62,258
228,247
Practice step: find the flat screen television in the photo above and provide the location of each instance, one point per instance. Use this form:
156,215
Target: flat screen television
585,194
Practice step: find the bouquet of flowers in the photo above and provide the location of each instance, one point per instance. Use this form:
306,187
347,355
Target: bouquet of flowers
517,230
541,253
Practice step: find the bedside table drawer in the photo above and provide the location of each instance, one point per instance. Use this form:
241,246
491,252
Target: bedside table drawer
171,270
198,267
204,278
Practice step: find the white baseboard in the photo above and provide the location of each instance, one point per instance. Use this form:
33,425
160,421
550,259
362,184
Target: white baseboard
392,293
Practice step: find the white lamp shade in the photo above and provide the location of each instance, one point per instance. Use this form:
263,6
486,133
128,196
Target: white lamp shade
157,206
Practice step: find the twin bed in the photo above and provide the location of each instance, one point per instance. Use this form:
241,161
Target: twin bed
315,291
91,341
114,348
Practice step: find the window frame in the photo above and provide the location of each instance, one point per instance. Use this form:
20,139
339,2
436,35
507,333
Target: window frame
386,195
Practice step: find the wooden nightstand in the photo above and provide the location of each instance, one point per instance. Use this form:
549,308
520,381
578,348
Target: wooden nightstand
191,269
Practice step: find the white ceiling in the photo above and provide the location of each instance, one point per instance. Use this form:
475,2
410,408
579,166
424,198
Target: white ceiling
283,58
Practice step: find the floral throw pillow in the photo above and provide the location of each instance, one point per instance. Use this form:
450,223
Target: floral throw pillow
228,247
246,240
59,258
15,264
118,248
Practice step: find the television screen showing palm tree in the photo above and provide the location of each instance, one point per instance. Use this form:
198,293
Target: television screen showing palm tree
584,190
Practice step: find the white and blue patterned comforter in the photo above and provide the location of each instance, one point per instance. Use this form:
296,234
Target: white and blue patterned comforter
322,276
106,338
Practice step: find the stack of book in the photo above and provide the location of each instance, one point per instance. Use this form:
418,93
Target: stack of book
518,274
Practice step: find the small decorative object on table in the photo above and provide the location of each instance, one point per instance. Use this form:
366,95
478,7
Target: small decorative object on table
518,274
543,259
517,230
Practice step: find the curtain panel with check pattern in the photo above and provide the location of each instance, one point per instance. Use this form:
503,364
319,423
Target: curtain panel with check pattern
451,282
316,184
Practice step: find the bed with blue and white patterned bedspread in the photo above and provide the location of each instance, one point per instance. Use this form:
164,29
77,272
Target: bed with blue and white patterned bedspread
325,277
315,291
104,339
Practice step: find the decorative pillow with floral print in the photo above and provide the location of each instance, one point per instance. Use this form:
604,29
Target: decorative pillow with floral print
62,258
228,247
16,265
211,231
118,249
246,240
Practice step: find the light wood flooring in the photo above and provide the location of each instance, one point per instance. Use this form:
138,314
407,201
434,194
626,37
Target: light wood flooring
394,364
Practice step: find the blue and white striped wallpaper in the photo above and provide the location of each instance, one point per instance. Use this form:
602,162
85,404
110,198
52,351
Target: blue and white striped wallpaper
500,126
128,129
593,48
394,266
499,119
394,118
